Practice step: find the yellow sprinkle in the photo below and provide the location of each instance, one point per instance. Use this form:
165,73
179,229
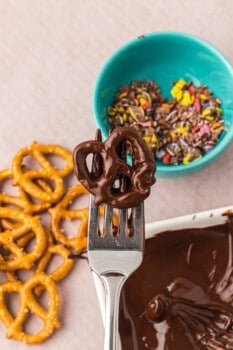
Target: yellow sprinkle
173,136
206,111
203,97
181,130
125,117
177,91
186,158
154,138
132,114
187,99
146,139
209,117
122,95
177,94
219,110
111,111
136,112
142,101
146,96
181,83
120,109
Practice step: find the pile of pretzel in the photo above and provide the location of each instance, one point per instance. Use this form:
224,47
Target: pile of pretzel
27,244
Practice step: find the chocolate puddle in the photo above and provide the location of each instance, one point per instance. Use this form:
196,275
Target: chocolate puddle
181,298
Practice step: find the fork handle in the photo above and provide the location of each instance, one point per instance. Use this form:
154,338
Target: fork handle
113,284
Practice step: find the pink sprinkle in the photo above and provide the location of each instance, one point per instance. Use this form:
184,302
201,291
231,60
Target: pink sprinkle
204,130
147,123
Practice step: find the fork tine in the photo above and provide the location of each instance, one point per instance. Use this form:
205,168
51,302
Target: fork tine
93,224
108,220
138,225
123,222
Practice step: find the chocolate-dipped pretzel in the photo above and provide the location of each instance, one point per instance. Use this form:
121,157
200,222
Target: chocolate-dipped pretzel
114,181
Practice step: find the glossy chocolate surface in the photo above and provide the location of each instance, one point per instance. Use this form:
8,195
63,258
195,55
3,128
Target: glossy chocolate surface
116,182
181,298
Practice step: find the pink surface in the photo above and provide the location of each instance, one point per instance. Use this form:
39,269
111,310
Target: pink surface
50,54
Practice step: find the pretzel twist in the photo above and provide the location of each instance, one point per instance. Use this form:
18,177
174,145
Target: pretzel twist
28,304
27,179
112,166
62,270
21,200
27,224
61,212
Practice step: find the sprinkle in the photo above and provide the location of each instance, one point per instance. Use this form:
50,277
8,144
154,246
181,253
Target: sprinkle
123,94
206,111
191,89
186,159
142,101
187,99
203,97
160,153
136,112
177,130
197,103
205,129
166,158
145,124
167,105
181,130
209,118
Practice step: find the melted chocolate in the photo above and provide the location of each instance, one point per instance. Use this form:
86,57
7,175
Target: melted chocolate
181,298
116,183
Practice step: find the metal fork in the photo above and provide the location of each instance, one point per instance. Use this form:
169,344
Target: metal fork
113,257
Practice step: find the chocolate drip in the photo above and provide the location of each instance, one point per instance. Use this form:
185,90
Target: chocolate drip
206,323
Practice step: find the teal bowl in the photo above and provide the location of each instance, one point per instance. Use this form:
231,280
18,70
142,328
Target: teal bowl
166,57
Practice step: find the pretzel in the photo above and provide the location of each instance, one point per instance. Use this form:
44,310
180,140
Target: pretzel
27,224
21,200
27,179
61,212
22,243
28,305
52,250
62,270
37,190
111,166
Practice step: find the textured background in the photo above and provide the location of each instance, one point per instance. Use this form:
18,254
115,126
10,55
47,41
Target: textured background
50,54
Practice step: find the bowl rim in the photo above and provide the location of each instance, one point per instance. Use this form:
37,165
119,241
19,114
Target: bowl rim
162,169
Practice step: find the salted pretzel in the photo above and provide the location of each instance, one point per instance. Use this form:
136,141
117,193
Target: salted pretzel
111,165
62,212
28,179
26,244
41,265
18,258
62,270
28,305
21,200
22,243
